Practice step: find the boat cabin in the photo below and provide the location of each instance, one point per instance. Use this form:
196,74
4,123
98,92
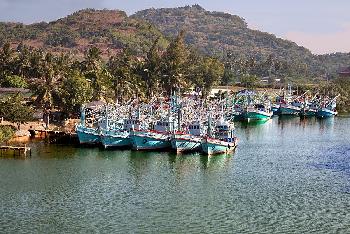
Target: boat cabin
131,124
164,126
224,131
194,129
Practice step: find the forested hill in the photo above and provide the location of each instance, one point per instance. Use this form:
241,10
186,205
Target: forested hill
109,30
212,33
217,33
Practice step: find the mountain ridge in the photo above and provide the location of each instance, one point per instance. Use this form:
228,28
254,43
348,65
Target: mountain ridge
212,33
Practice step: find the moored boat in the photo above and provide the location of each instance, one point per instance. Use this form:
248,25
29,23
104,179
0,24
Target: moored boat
158,138
187,141
257,112
224,140
88,135
328,108
119,137
325,113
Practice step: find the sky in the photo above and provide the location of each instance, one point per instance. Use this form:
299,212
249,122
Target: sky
323,26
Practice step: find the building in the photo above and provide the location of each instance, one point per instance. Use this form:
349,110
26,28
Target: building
344,72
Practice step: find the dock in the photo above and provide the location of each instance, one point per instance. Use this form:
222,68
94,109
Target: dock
54,136
15,151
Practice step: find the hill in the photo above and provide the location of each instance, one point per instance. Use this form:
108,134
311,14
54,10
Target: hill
212,33
109,30
217,33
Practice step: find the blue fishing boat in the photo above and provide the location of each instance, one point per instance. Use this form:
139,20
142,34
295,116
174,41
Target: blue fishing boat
275,108
158,138
189,140
289,104
87,134
257,112
224,141
119,137
292,108
328,108
325,113
309,109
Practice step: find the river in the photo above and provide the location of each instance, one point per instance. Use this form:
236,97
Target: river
286,176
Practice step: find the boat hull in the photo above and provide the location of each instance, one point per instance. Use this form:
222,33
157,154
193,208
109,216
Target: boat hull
150,141
325,113
213,146
289,110
275,109
116,139
88,136
185,143
256,116
308,113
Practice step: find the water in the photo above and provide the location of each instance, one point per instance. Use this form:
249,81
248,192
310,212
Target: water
287,176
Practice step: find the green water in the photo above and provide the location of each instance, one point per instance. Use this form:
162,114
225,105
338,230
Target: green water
287,176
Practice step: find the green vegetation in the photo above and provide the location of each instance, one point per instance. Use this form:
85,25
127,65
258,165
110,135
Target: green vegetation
6,133
218,34
63,83
14,81
105,55
12,109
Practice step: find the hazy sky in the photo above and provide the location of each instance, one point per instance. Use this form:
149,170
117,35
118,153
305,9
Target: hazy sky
323,26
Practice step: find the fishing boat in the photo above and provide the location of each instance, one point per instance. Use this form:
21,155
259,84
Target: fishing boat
119,137
224,140
87,133
328,108
189,140
290,108
158,138
309,109
257,112
274,108
289,104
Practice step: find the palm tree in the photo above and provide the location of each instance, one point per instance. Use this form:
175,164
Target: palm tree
126,82
6,60
94,71
150,70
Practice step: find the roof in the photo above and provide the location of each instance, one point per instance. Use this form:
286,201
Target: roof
94,104
14,90
344,71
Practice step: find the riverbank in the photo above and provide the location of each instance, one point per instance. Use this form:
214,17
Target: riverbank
37,129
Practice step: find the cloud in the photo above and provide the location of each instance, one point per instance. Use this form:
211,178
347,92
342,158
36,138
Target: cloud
322,43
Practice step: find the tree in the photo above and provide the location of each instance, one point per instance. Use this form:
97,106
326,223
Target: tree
47,85
175,66
213,70
249,81
6,133
126,82
96,73
150,70
75,91
14,81
6,60
12,109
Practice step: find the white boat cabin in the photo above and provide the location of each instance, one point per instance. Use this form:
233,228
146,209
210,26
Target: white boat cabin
131,124
194,129
224,131
164,126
